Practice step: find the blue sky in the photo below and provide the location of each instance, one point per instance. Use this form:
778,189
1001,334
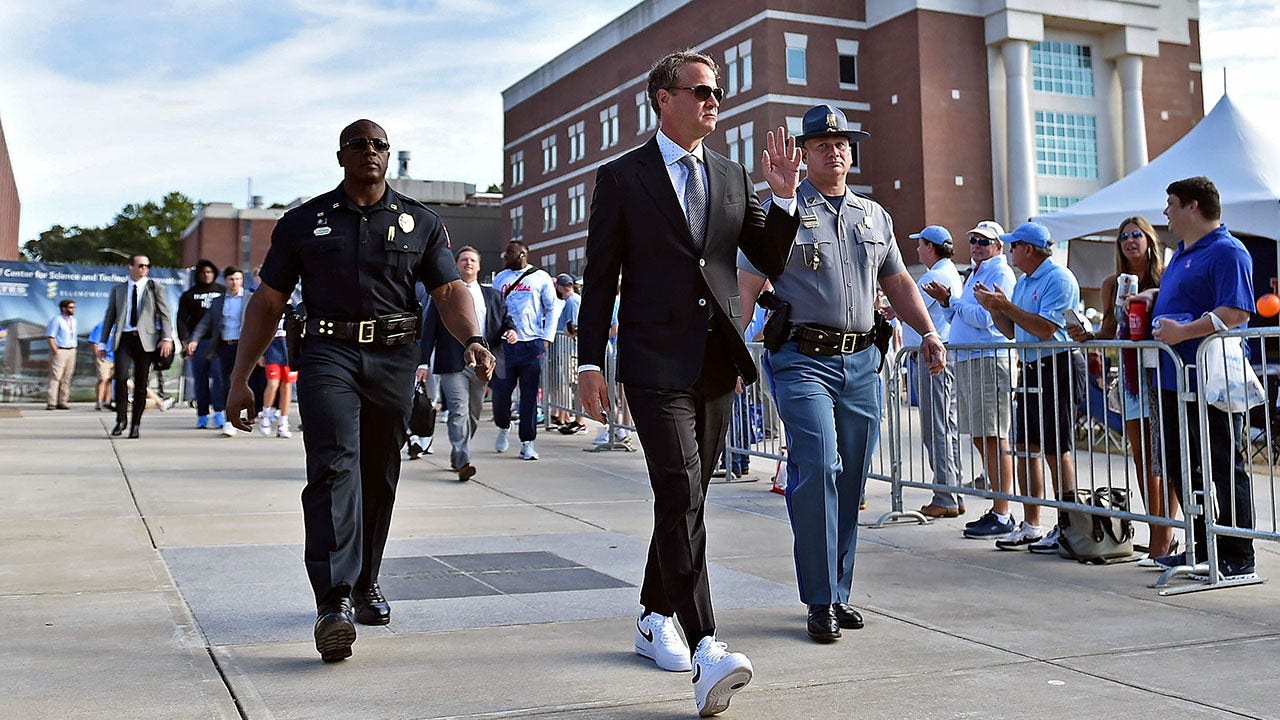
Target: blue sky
107,103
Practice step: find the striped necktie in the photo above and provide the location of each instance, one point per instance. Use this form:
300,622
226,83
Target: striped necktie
695,201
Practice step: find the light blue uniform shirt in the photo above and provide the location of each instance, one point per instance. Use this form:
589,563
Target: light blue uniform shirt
1047,292
971,324
943,272
232,314
63,331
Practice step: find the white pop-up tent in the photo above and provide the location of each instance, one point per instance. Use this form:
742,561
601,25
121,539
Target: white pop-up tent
1225,147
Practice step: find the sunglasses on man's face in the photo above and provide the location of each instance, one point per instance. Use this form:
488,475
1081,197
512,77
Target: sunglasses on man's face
360,144
979,240
703,92
1135,235
142,265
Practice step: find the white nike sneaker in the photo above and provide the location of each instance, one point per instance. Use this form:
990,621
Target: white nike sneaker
228,430
657,639
527,451
264,423
282,427
502,442
717,675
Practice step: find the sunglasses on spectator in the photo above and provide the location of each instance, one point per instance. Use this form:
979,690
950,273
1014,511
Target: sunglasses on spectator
703,92
979,240
143,265
1135,235
360,144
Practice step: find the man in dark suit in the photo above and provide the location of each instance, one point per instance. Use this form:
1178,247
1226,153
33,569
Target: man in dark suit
463,390
669,217
137,325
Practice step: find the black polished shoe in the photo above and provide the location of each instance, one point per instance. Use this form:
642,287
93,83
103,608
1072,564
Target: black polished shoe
371,607
822,624
133,433
118,430
848,618
334,632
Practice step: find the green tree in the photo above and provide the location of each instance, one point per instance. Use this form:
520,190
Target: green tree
494,188
152,228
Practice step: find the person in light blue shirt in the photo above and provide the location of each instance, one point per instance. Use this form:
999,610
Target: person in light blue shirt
61,335
1048,395
106,367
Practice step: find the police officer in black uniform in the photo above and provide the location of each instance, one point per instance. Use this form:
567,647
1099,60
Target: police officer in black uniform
358,250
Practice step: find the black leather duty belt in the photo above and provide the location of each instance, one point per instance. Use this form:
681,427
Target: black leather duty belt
398,329
817,340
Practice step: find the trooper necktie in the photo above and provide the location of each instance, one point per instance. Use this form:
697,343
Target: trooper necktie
133,306
695,201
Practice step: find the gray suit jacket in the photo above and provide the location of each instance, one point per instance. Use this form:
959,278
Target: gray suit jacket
210,326
155,322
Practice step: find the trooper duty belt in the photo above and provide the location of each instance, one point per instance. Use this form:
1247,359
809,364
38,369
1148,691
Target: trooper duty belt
818,340
397,329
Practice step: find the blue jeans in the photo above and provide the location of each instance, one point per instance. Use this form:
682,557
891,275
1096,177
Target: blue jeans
830,408
206,375
739,436
523,366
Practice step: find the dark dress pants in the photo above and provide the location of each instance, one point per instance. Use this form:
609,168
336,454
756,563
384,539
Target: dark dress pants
1233,492
683,433
131,354
226,362
355,404
523,362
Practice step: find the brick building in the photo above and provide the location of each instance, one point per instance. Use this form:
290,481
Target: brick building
10,207
976,108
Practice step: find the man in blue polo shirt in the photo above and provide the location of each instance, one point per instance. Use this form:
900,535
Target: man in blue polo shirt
1211,272
1047,395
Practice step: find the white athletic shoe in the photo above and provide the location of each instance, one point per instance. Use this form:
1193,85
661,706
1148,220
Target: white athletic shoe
657,639
228,430
717,675
602,436
1022,538
282,427
502,443
264,423
527,452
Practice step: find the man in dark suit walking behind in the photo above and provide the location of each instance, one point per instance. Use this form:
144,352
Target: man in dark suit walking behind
137,326
669,217
462,388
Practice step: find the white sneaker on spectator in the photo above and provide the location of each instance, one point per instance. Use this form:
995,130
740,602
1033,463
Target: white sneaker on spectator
502,442
282,426
1021,538
228,430
264,422
657,639
527,452
602,437
1048,545
620,435
717,675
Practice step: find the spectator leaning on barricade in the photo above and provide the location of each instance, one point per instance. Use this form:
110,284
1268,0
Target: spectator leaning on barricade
531,303
1047,397
105,364
936,392
567,290
63,339
984,376
1210,273
1138,253
206,370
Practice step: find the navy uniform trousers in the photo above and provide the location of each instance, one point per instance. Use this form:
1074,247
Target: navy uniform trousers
354,402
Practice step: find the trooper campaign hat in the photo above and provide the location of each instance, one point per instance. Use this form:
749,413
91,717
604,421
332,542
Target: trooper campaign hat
827,120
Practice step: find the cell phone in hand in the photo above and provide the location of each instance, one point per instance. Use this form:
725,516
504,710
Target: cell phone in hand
1073,318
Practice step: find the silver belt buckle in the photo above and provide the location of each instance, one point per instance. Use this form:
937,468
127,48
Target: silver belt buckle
366,331
848,341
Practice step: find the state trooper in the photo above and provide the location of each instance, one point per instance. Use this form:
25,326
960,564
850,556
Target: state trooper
825,361
358,249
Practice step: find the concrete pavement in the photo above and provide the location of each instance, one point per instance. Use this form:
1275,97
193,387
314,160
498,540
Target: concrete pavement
162,578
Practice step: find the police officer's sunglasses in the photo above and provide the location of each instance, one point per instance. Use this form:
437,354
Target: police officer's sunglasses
702,92
979,240
360,144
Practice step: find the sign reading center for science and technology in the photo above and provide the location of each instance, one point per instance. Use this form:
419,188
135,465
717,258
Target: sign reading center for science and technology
29,297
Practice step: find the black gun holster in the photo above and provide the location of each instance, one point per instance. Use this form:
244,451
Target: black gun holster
777,328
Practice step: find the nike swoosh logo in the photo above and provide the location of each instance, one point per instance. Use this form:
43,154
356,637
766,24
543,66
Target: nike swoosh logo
697,673
648,636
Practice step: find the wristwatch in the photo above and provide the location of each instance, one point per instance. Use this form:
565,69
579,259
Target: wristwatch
477,340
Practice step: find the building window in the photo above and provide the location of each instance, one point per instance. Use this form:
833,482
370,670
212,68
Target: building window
548,213
1066,145
609,127
737,68
797,71
548,153
847,52
646,117
1062,68
1050,203
795,125
517,167
517,222
548,264
577,203
577,141
742,145
577,261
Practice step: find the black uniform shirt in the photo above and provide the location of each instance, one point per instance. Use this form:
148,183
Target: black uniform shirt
358,264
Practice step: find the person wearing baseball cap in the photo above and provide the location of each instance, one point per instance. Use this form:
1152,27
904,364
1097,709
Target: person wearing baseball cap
936,393
843,247
567,292
1051,377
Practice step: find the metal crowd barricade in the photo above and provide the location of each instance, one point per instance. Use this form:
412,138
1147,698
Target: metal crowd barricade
560,390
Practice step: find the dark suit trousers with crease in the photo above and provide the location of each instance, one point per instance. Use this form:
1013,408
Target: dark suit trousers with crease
130,353
683,433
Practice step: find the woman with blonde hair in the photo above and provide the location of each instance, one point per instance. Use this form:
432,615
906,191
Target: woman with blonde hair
1138,252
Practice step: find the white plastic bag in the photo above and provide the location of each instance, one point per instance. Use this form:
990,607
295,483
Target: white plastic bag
1227,379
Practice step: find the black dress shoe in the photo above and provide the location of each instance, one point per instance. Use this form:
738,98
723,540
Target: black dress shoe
822,624
334,632
133,432
371,607
848,618
118,430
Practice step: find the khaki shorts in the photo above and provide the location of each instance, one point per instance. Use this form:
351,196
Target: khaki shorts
106,368
984,393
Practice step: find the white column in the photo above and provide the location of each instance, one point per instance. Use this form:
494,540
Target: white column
1021,158
1129,67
